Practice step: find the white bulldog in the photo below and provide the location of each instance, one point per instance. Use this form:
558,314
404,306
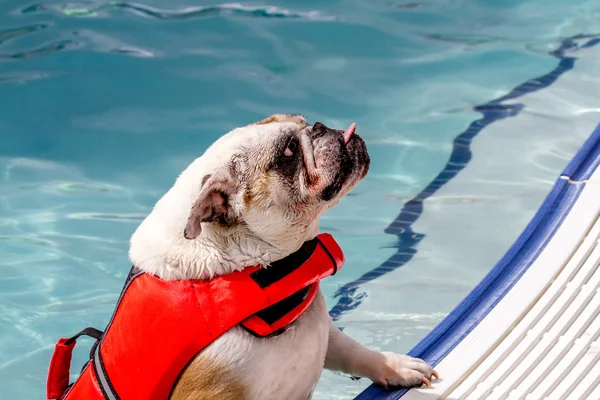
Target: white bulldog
254,197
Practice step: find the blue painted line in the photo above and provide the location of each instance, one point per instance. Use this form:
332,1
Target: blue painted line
349,296
460,322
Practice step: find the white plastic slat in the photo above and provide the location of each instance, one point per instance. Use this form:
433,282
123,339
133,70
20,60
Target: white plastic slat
589,387
548,316
562,359
592,394
566,384
533,364
541,315
576,355
544,336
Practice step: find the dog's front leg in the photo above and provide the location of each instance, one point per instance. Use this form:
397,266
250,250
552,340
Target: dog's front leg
386,369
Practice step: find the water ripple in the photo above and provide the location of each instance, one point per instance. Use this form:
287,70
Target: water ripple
101,42
23,77
86,187
108,217
7,34
133,51
463,39
233,9
218,10
50,48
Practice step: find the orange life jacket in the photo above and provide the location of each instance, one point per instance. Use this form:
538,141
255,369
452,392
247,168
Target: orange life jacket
158,326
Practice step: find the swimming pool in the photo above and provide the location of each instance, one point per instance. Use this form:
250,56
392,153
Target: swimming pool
103,103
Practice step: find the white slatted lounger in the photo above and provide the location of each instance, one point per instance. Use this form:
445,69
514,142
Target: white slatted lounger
531,328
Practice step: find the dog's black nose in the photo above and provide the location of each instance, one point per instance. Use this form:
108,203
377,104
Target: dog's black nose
319,130
319,127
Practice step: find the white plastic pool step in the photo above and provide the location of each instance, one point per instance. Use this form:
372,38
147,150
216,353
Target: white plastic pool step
542,339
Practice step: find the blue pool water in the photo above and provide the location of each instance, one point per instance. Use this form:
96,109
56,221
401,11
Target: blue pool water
103,103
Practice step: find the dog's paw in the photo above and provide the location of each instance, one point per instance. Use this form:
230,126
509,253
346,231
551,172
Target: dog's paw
403,370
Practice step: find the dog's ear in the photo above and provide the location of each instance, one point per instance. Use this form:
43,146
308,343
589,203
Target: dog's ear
212,203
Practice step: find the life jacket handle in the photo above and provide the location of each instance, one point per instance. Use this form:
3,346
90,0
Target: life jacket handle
60,363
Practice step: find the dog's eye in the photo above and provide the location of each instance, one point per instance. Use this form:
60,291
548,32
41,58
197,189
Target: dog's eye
291,148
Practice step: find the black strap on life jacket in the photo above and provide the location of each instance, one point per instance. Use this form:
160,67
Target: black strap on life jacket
279,270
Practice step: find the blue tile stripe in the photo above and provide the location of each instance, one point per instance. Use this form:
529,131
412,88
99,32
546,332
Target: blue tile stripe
349,296
439,342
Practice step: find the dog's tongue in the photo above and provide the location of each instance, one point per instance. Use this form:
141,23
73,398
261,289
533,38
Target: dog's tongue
349,132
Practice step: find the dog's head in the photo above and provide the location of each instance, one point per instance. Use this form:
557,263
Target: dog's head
264,185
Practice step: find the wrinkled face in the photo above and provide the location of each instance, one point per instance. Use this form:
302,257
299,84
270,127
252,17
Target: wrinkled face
302,168
276,177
